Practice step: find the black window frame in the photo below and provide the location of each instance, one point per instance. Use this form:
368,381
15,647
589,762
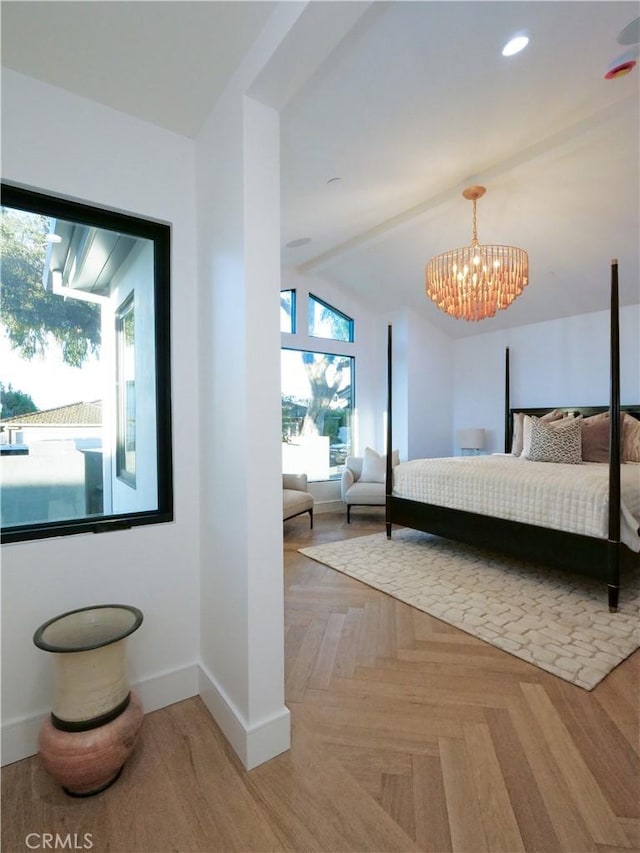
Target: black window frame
349,320
159,233
294,309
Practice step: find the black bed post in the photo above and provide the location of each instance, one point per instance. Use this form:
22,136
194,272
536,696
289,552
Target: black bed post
507,405
614,448
389,477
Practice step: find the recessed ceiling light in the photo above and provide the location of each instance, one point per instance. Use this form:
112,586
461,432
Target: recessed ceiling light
301,241
515,45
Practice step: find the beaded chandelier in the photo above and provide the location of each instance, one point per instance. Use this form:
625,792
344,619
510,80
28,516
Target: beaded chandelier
475,282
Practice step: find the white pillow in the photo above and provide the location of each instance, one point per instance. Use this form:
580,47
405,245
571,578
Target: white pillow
526,436
374,467
518,429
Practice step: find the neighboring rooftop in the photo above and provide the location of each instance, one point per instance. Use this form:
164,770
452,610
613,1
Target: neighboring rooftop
73,414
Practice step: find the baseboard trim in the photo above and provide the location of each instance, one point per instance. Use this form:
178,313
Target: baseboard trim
329,506
252,744
164,689
20,737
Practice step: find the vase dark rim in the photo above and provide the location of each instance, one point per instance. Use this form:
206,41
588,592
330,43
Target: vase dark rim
52,647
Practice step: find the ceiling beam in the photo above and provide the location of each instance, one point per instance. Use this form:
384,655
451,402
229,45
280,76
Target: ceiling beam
539,149
317,31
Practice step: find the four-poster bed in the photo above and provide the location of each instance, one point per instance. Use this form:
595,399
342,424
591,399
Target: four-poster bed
598,555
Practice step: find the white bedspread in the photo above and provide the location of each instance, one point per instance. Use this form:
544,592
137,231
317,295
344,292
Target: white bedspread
573,498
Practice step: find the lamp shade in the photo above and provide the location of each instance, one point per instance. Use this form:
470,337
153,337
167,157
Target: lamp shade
470,439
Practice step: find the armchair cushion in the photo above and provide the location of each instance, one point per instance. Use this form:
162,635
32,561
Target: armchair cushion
347,479
356,489
295,497
295,481
366,494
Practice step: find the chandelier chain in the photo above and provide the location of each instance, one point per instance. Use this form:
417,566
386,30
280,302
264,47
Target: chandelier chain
474,242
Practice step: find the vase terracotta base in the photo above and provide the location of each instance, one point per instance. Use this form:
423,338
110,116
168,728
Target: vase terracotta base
85,763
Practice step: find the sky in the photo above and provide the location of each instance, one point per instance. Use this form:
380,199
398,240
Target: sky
49,382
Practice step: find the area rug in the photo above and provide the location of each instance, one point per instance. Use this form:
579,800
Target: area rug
555,620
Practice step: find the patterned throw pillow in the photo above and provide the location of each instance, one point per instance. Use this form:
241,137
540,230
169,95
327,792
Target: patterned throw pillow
555,419
556,445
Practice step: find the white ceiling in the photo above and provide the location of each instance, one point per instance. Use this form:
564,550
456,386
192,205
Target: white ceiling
414,103
165,62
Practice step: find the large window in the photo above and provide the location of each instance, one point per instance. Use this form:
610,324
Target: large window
318,393
317,410
85,424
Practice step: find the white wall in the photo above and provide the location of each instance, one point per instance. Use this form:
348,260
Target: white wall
442,385
70,146
557,363
430,401
422,387
242,584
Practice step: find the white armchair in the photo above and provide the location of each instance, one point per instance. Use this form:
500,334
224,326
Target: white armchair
363,480
295,497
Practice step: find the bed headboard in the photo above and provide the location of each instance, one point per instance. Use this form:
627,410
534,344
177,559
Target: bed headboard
585,411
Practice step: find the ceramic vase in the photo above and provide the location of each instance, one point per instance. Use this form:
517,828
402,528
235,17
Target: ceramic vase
95,717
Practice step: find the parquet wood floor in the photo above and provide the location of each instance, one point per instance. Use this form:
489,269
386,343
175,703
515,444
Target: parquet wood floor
407,735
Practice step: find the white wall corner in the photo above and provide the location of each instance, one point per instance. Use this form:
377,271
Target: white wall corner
164,689
253,744
20,736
